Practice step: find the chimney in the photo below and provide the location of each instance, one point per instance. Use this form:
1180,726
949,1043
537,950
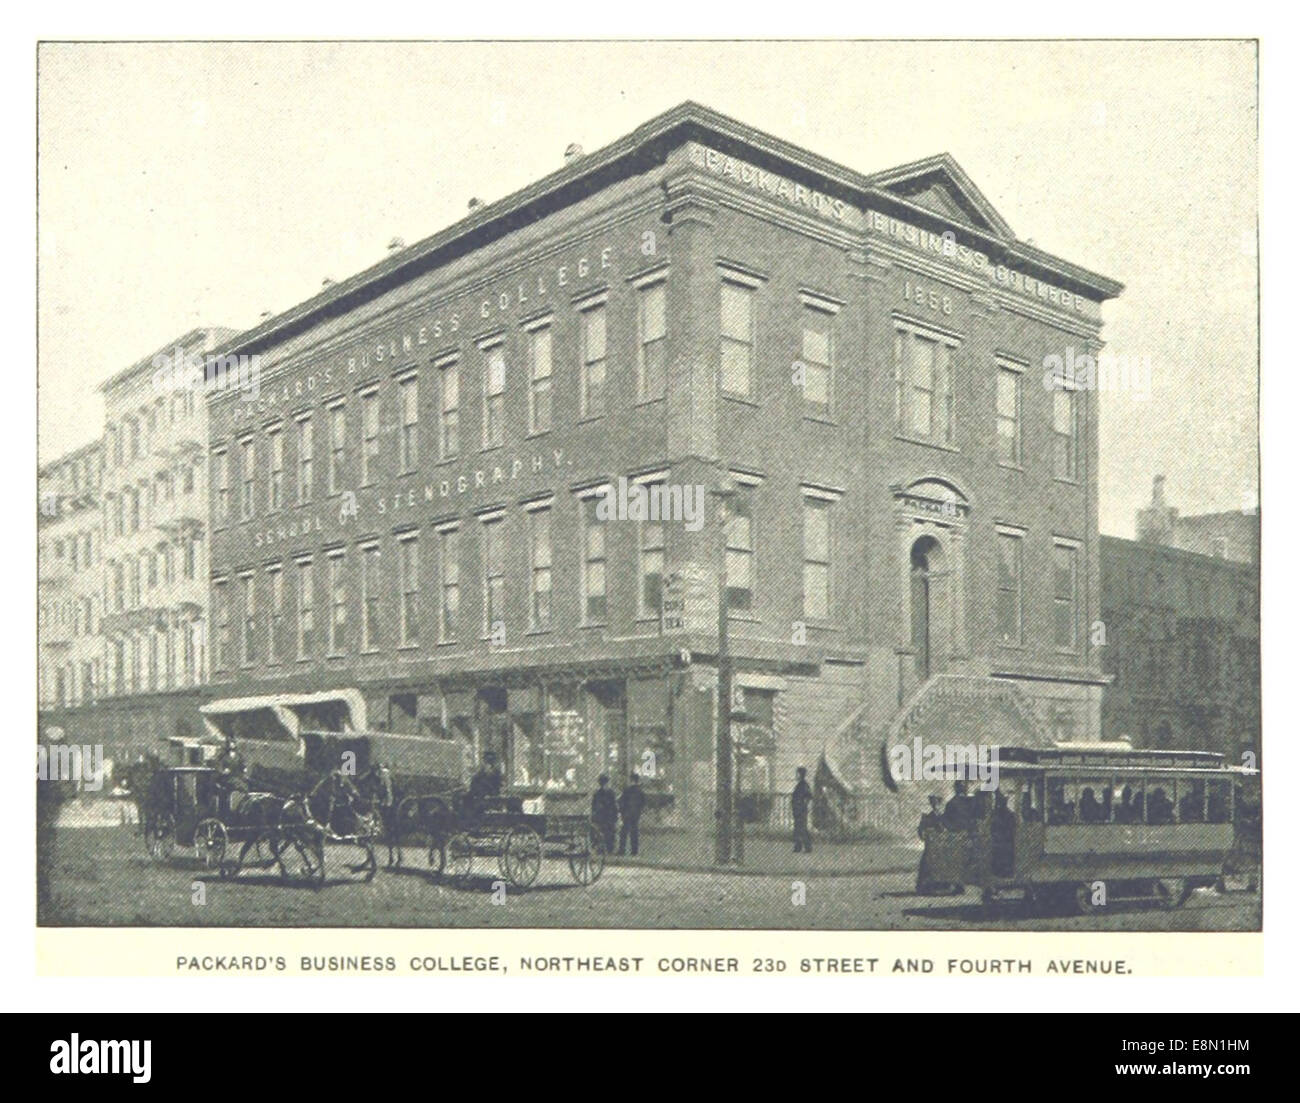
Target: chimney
572,152
264,315
395,245
1158,490
475,203
326,282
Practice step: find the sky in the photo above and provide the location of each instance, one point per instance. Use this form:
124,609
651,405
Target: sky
203,184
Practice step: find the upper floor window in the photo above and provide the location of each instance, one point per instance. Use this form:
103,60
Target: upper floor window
737,339
338,446
652,333
369,437
740,550
494,573
539,568
221,478
1010,624
275,480
448,582
816,557
275,579
539,379
924,404
410,391
1065,590
408,561
306,448
1008,414
338,603
594,606
248,628
306,609
449,410
248,475
494,395
1065,433
371,597
594,338
818,358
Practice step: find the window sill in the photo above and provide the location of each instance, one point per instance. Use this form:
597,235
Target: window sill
538,433
538,631
821,419
648,401
1066,482
590,418
446,461
740,399
1005,646
1007,466
593,624
936,445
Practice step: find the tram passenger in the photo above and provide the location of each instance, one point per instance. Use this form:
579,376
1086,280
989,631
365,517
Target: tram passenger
960,813
1160,809
1091,810
1003,837
928,831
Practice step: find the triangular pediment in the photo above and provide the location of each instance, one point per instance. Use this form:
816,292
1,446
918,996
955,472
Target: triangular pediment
940,185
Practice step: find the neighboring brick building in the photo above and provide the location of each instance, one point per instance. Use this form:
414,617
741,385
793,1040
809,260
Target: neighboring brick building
409,512
1182,631
69,573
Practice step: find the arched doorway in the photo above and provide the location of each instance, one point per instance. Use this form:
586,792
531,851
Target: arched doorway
927,565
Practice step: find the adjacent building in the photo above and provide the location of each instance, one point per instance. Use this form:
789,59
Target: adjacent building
480,494
69,588
1182,631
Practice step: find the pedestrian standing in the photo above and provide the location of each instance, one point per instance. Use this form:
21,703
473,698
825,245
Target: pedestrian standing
604,812
800,800
631,803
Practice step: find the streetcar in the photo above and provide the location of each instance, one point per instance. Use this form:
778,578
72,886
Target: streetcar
1094,825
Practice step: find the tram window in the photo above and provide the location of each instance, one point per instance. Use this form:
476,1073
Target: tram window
1160,805
1094,801
1130,807
1031,802
1219,805
1061,800
1191,801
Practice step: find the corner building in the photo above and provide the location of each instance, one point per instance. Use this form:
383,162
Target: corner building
407,513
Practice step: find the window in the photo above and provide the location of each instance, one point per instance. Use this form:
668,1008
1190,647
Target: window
247,474
1065,595
1008,414
448,582
192,554
248,603
539,379
494,572
816,558
449,410
338,445
371,593
275,485
652,330
133,497
306,446
369,437
923,385
221,598
410,391
275,577
1065,433
494,396
737,339
594,337
151,569
1010,571
338,599
594,608
817,357
740,551
306,604
408,562
539,568
650,569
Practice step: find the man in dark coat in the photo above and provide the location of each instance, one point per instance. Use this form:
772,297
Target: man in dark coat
604,812
929,831
800,800
631,803
485,785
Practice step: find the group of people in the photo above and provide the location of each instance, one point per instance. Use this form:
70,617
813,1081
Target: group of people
949,830
607,810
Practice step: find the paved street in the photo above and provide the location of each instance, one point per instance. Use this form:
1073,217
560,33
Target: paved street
103,877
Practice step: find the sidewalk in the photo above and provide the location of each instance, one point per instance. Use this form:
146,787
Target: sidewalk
772,856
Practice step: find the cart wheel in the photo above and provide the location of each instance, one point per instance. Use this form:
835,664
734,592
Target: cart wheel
210,845
521,856
437,856
459,857
160,839
1172,892
587,858
301,859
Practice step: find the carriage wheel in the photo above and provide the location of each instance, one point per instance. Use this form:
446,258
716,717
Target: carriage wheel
521,856
160,838
586,857
458,859
210,841
1083,899
301,858
1172,892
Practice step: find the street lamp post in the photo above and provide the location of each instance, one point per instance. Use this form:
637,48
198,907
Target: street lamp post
724,794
